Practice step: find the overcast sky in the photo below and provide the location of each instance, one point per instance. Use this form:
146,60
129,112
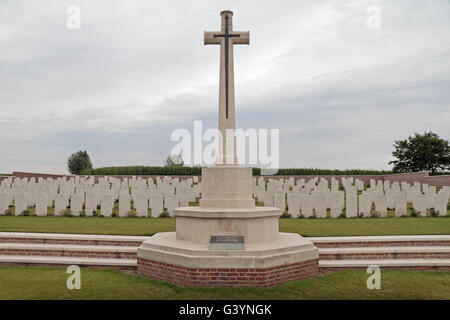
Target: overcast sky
339,92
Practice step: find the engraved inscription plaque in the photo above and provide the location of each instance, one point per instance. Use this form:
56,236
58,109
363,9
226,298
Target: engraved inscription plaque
227,243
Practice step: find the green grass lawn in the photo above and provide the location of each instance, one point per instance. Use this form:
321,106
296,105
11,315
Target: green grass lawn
50,283
305,227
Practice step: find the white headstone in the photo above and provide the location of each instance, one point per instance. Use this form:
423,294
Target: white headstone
279,201
156,204
41,204
293,202
60,203
364,205
141,204
4,202
170,203
381,205
351,205
91,203
268,198
320,205
124,204
76,203
400,205
306,205
335,204
107,204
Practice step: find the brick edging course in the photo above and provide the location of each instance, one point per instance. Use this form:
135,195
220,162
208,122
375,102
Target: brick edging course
227,277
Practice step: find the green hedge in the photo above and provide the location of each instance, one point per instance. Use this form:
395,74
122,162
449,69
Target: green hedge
329,172
188,171
144,171
443,173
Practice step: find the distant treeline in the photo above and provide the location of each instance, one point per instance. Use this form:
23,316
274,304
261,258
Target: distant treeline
188,171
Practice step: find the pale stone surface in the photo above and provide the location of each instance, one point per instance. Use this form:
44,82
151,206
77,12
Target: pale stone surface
170,203
351,205
4,202
293,201
288,248
419,203
124,204
141,204
335,205
182,196
91,203
198,224
306,205
156,204
441,204
381,205
320,207
365,205
226,121
41,204
279,201
76,203
20,203
60,203
107,204
400,205
227,187
268,198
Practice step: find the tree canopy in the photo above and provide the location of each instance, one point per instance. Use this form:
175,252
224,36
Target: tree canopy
79,161
175,160
421,152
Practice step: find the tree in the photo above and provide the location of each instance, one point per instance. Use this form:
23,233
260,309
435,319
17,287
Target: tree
79,161
427,152
175,160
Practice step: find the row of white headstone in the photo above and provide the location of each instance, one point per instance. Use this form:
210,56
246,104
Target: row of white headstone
316,196
78,192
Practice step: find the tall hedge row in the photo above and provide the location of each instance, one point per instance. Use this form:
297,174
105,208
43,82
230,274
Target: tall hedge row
443,173
188,171
329,172
144,170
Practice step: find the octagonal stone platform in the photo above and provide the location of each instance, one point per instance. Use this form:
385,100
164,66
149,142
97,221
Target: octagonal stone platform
227,208
261,264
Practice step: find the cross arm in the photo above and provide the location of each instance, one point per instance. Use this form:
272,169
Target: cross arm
241,37
210,39
244,37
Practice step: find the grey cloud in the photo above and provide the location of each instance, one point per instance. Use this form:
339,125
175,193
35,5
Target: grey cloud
339,93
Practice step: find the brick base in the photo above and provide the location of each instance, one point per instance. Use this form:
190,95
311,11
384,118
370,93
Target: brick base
227,277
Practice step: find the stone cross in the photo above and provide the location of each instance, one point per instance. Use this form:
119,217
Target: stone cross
226,38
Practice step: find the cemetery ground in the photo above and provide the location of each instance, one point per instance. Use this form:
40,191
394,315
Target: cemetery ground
308,227
50,283
39,282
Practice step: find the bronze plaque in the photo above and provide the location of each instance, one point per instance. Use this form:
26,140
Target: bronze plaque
227,243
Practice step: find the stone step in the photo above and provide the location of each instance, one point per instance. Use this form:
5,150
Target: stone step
371,253
381,241
64,250
413,264
125,264
71,239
